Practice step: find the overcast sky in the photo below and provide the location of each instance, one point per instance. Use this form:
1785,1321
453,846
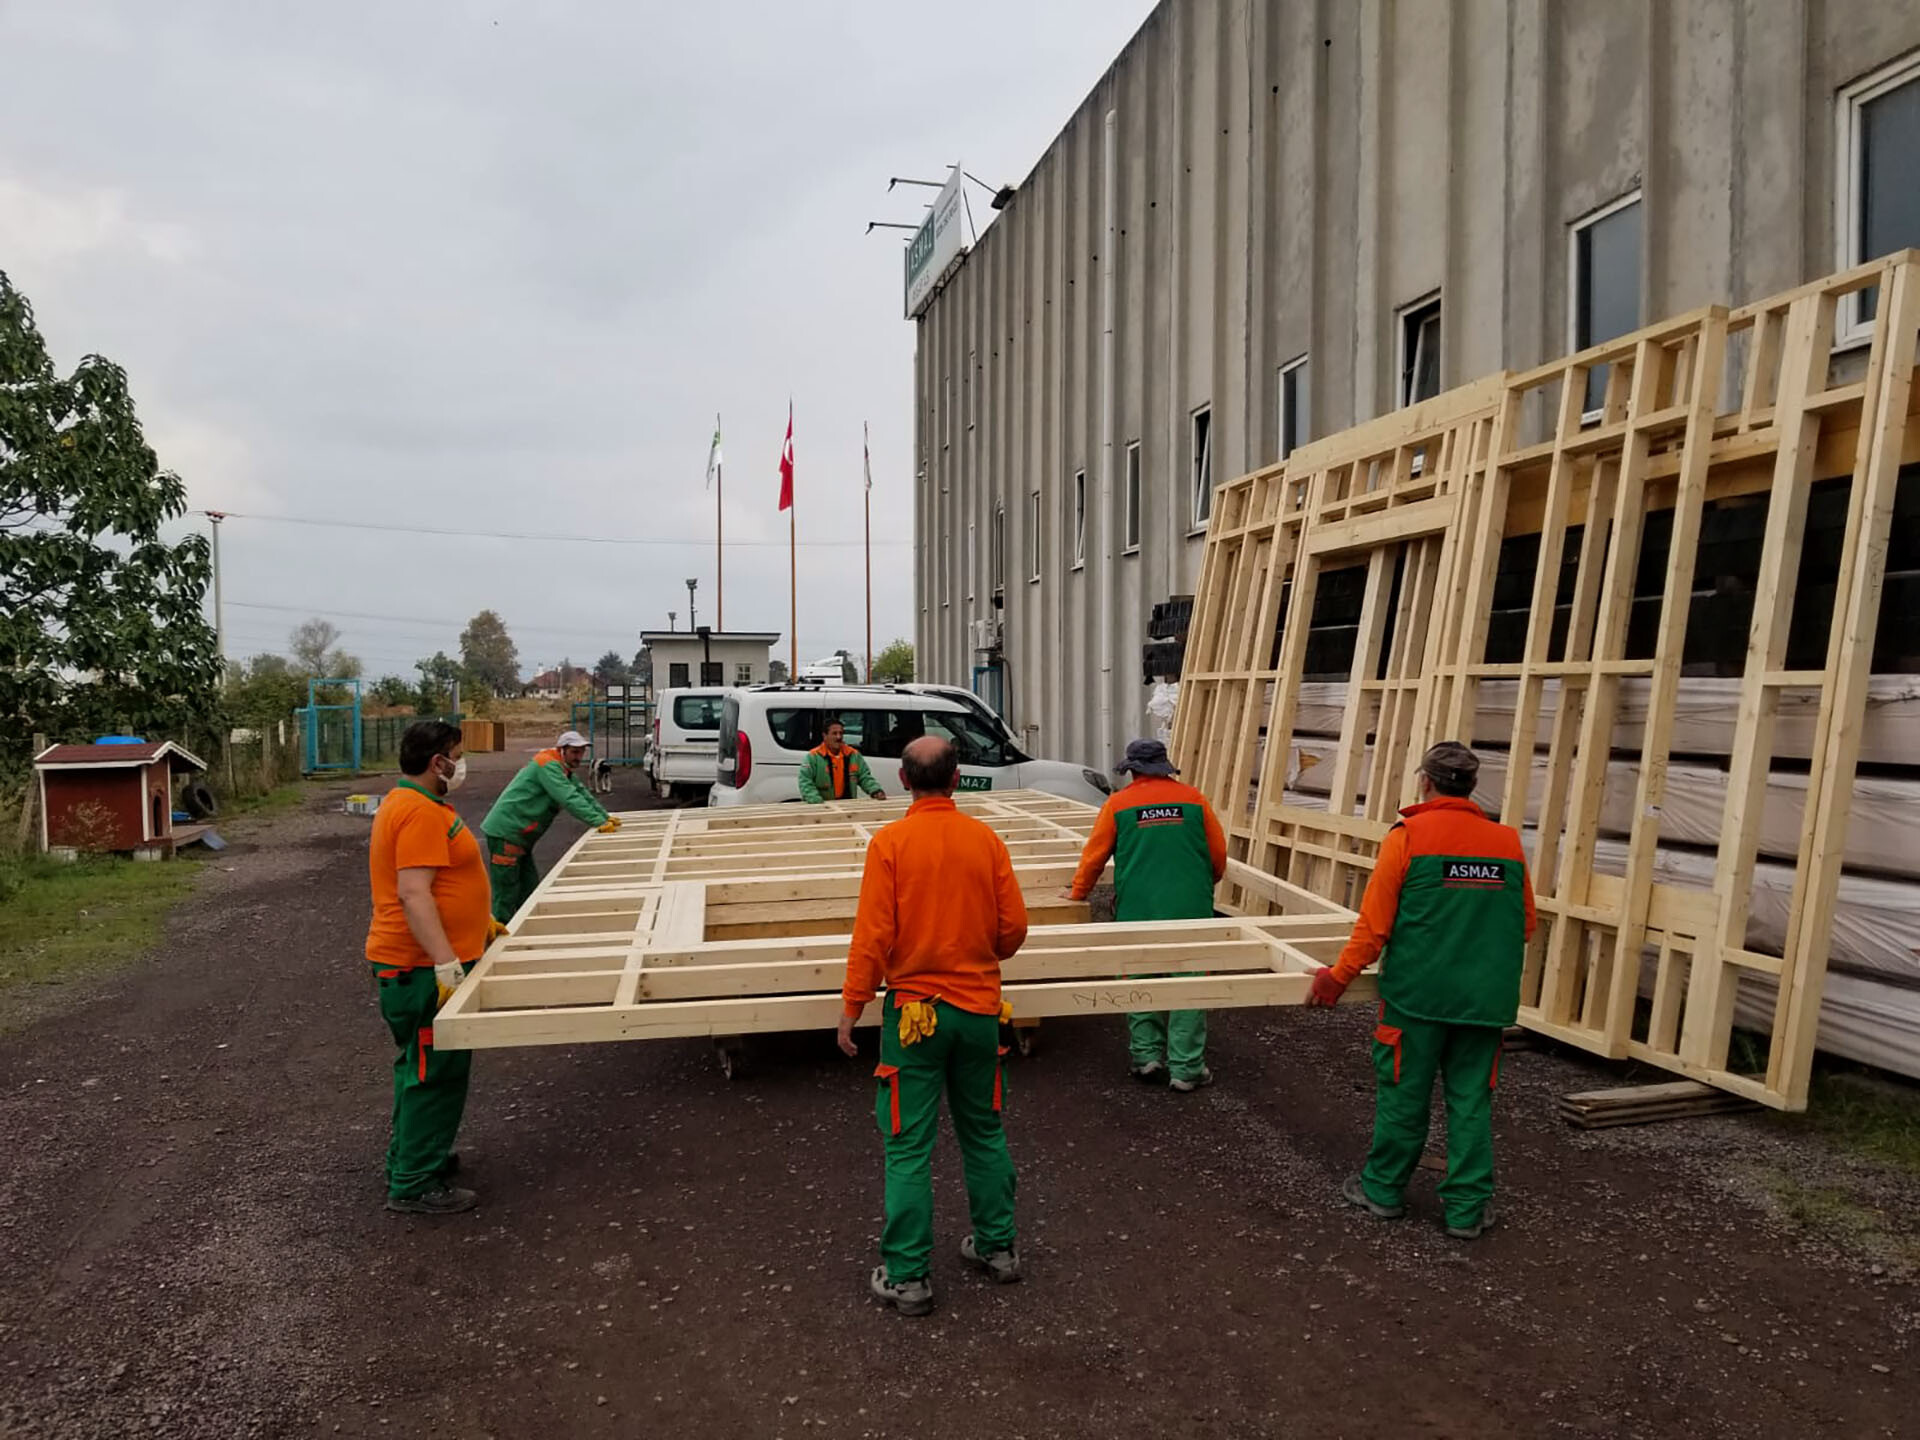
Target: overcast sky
497,267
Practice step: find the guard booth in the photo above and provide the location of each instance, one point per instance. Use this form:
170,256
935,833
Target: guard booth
111,797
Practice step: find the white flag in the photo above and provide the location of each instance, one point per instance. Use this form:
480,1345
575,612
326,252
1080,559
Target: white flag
713,455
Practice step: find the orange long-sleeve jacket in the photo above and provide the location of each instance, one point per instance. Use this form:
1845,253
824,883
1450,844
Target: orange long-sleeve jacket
939,910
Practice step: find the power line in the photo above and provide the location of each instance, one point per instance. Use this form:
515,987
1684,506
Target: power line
421,624
526,535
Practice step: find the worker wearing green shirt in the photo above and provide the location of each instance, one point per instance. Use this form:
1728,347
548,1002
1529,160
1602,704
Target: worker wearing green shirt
545,786
833,770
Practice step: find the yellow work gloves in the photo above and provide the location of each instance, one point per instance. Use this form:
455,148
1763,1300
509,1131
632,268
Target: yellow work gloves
613,824
494,930
447,978
917,1021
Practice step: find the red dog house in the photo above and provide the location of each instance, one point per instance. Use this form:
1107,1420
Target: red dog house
110,797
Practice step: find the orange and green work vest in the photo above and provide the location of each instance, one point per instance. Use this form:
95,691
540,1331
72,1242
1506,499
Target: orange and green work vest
1451,904
825,776
939,910
543,788
1167,847
415,829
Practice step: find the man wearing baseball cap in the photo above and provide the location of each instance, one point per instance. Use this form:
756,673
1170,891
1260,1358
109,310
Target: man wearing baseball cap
1450,902
1168,852
545,786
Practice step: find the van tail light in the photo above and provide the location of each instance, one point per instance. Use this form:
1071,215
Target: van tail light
742,759
656,732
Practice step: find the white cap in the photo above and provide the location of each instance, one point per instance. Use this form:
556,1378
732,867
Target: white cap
571,737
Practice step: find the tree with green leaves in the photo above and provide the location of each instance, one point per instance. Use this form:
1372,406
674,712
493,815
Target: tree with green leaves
612,670
489,655
439,674
394,690
101,623
316,651
894,665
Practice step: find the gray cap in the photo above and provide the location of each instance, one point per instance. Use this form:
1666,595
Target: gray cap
1452,767
1145,757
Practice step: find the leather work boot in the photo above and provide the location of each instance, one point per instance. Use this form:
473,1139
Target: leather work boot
1354,1193
1002,1267
909,1297
440,1200
1477,1229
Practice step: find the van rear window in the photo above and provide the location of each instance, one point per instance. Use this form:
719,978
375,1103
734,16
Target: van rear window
697,712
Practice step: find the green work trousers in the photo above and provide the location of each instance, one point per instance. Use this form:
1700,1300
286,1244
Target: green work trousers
1174,1038
962,1057
512,876
429,1084
1407,1056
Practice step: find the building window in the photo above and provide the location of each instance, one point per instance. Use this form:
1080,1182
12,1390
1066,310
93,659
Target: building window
946,571
946,411
1879,173
743,673
997,545
1604,293
712,672
973,408
1033,538
1293,403
1202,461
1419,351
967,561
1079,519
677,673
1133,498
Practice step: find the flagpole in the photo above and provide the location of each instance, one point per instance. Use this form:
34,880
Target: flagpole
793,591
869,535
719,548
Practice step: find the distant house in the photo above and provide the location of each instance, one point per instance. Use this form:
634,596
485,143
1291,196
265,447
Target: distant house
546,685
683,658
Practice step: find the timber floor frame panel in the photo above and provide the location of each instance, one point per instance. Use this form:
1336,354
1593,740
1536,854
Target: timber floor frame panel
619,942
1424,499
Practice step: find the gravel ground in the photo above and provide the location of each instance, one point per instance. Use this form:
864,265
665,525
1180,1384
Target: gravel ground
193,1244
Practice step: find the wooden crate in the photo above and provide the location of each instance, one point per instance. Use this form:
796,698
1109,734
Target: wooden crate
727,922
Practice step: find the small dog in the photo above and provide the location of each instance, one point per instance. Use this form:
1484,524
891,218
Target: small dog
603,777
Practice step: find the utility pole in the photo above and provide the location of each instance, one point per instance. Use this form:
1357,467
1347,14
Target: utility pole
219,610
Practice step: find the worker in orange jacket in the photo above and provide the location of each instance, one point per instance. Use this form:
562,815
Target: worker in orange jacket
1168,853
939,910
1451,904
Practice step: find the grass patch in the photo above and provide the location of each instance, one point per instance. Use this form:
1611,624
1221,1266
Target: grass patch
276,801
62,923
1868,1114
1833,1213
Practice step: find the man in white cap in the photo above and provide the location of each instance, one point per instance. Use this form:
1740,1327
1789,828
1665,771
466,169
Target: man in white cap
545,786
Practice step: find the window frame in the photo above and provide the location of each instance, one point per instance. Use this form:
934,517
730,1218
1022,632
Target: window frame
1586,222
1405,373
740,678
1283,412
1131,469
1035,555
1077,497
997,548
967,558
1200,468
1850,103
946,411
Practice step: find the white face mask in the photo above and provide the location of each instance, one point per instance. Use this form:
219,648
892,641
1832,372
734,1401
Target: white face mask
459,775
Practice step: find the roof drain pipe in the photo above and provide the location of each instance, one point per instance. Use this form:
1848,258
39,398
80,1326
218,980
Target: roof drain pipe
1108,589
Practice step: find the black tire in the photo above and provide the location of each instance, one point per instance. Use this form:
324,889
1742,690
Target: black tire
198,800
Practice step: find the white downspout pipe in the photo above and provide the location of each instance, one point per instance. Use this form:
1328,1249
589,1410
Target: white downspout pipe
1108,589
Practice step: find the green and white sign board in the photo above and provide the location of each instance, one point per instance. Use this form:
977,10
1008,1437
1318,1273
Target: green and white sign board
936,246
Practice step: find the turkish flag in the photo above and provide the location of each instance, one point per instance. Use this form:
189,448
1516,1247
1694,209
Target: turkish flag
786,464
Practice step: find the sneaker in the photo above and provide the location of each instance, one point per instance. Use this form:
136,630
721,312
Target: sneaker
1477,1229
909,1297
1002,1266
1355,1193
1192,1082
440,1200
1151,1073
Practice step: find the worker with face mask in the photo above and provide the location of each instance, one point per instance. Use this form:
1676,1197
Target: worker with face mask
430,923
545,786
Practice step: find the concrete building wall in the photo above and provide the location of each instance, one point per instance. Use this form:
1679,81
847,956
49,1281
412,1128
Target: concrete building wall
1290,174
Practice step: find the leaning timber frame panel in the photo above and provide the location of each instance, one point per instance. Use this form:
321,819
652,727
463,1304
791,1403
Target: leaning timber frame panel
728,922
1430,535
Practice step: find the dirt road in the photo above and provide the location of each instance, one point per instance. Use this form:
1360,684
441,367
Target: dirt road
192,1241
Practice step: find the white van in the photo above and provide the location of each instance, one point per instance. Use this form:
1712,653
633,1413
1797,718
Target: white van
686,741
766,731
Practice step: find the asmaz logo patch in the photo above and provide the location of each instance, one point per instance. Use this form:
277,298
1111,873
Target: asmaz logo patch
1476,872
1159,815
